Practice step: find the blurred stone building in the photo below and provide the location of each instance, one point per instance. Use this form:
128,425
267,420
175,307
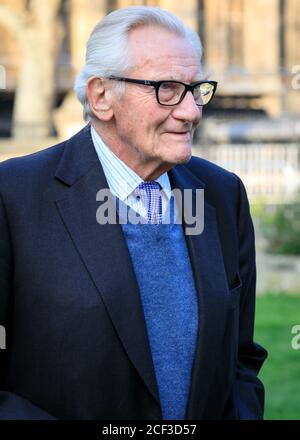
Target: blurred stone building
251,47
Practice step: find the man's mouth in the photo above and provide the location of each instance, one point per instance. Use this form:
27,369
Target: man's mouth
180,133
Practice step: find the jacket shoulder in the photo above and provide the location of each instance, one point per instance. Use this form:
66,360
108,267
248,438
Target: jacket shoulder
27,166
211,174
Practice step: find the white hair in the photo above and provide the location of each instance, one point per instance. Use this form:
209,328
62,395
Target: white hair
108,53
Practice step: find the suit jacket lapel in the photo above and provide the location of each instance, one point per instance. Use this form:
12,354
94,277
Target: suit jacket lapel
104,246
211,284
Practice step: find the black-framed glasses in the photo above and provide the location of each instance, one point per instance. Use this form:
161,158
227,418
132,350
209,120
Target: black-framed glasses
173,92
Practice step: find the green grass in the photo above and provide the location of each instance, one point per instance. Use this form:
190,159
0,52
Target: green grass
275,317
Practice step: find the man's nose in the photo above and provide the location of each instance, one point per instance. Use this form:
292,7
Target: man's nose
188,109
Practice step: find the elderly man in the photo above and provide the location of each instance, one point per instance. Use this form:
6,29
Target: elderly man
120,320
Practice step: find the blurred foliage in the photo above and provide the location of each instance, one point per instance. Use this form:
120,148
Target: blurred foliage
279,226
275,317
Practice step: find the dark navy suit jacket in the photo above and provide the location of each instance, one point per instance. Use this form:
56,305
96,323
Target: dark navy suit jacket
77,345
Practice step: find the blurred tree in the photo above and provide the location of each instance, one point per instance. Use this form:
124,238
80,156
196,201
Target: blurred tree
282,229
39,32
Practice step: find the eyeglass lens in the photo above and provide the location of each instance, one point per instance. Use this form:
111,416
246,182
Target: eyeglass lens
170,93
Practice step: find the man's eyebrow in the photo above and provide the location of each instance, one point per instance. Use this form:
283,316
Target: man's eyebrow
172,78
202,78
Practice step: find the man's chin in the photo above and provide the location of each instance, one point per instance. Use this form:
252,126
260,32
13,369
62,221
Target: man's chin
183,155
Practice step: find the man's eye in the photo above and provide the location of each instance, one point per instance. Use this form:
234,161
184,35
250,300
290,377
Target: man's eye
166,87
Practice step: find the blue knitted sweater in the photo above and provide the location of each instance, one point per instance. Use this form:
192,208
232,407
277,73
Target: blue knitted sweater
162,266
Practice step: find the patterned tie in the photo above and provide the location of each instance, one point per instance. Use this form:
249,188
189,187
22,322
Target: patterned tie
149,192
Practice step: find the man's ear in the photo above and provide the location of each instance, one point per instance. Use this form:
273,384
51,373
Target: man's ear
99,98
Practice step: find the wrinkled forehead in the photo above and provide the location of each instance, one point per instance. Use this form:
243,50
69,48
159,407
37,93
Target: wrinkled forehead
153,48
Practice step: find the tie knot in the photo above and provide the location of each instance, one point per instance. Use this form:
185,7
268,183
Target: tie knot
149,186
149,193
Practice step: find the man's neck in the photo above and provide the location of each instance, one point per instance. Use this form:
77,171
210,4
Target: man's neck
147,170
